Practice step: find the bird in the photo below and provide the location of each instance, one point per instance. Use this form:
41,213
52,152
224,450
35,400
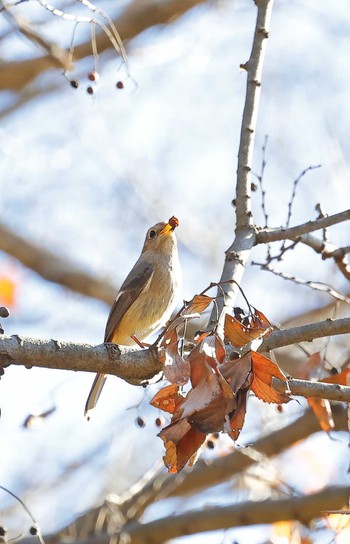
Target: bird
146,298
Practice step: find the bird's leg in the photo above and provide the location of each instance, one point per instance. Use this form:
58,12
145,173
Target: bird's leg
139,343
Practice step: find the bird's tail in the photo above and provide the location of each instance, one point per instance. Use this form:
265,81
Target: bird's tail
94,394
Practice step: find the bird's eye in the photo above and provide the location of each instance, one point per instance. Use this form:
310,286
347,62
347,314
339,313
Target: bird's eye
152,234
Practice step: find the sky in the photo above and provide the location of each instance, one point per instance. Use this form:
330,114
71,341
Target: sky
86,176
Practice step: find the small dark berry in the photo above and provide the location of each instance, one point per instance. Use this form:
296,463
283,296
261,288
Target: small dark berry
210,444
90,90
159,421
33,530
119,85
280,408
74,83
140,422
4,312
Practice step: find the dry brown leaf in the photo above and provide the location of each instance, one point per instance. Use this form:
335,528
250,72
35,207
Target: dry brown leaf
181,442
238,415
264,370
341,379
237,373
241,333
210,399
323,411
176,368
198,304
167,399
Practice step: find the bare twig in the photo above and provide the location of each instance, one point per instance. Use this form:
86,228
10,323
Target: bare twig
315,285
295,185
136,17
274,235
305,388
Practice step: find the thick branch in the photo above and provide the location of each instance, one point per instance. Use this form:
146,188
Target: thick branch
130,364
137,17
305,333
238,254
329,251
293,233
303,509
54,268
304,388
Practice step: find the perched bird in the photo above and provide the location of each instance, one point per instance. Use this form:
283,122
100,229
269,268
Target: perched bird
146,298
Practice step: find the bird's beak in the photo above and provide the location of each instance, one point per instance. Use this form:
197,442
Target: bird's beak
170,226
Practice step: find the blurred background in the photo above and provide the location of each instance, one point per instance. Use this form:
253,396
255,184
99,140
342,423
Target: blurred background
84,175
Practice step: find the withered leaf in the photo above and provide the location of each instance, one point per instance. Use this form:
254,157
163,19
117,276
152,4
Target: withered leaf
198,304
264,370
239,334
167,399
176,368
343,378
323,411
206,405
210,350
237,373
181,442
237,417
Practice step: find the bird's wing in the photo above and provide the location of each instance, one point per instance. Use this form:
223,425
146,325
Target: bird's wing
137,280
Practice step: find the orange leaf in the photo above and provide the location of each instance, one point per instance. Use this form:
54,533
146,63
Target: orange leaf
176,369
181,444
210,400
167,399
323,411
263,371
238,415
306,370
198,304
7,291
238,373
239,333
210,350
341,379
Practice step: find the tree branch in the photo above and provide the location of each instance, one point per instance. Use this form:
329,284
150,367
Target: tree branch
237,255
54,268
305,333
267,235
131,364
304,388
328,251
212,518
137,17
303,509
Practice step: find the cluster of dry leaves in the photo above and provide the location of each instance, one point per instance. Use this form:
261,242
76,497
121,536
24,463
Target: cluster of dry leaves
219,385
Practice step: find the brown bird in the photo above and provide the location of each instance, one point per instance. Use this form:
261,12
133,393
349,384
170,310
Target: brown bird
146,298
